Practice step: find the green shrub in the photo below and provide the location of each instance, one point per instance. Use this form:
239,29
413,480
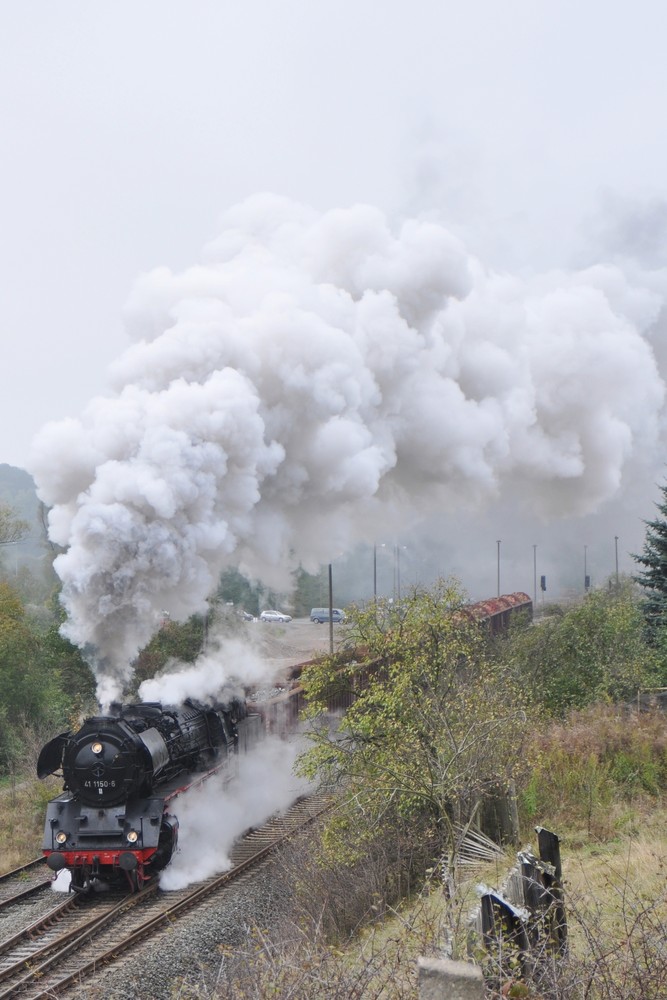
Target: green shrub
592,652
596,758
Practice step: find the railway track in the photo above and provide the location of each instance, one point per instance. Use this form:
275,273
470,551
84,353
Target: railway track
23,882
25,896
81,936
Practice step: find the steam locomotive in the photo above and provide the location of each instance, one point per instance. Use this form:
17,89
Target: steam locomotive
122,773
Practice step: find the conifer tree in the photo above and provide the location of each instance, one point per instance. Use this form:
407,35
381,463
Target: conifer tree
653,577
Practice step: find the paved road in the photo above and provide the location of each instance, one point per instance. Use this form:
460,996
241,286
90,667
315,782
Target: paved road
292,643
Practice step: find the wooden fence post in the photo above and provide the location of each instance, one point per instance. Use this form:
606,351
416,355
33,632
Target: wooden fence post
499,815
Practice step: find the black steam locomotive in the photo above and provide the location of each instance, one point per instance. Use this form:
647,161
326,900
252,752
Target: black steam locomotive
122,773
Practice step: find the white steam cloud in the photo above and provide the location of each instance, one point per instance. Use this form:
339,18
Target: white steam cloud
318,379
213,816
219,674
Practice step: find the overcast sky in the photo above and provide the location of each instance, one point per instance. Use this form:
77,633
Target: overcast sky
534,130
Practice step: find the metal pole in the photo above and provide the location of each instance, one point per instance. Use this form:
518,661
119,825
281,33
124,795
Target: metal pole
616,545
535,575
498,544
331,648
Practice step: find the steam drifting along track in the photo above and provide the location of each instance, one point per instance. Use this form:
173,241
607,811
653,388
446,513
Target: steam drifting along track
47,958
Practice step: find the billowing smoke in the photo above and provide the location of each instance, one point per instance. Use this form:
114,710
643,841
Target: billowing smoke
319,379
213,816
216,675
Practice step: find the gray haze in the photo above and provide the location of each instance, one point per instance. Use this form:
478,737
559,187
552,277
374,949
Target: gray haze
127,130
449,312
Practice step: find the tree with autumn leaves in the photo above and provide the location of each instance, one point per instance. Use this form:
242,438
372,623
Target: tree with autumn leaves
433,726
26,694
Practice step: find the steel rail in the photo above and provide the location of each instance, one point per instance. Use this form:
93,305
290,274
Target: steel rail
24,893
154,923
60,945
35,863
42,923
24,877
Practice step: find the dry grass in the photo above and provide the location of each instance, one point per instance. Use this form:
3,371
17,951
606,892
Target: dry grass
22,810
597,776
608,883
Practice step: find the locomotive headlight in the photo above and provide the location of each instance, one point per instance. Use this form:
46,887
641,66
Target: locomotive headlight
97,747
132,837
61,837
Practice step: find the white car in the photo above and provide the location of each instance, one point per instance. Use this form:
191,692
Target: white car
274,616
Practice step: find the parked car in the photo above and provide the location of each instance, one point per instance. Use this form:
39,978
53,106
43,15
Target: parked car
247,617
321,615
274,616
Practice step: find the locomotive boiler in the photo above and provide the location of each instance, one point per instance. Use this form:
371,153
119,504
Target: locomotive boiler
122,773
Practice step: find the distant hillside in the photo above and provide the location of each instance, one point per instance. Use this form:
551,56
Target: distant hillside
17,490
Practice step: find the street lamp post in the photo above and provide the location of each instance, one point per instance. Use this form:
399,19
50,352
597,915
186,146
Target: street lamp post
331,643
